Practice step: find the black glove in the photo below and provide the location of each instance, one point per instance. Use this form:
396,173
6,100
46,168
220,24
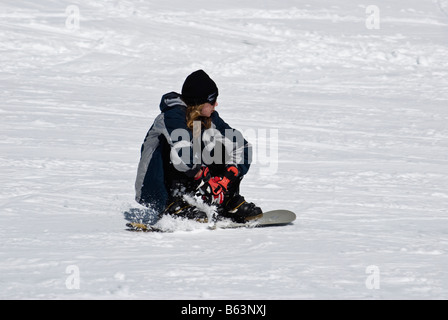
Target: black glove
210,188
230,176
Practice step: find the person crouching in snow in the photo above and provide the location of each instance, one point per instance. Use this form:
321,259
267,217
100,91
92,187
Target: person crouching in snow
190,150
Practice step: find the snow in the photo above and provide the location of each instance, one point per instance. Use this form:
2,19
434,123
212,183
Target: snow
360,114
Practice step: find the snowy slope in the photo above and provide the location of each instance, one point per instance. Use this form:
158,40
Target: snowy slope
361,117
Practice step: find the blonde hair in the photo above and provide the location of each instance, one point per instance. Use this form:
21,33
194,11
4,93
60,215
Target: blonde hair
194,114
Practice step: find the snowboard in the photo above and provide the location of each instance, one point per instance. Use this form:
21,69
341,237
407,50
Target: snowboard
269,219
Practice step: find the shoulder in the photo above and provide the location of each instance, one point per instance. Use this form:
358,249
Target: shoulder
176,112
175,118
219,122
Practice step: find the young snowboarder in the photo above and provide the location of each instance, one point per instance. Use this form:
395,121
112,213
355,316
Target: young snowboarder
190,150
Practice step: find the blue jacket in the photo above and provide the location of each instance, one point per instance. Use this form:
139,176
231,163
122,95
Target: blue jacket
170,135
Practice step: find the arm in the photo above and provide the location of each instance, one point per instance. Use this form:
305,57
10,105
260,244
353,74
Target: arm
184,154
237,148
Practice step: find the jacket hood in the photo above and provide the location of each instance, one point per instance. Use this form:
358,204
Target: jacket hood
170,100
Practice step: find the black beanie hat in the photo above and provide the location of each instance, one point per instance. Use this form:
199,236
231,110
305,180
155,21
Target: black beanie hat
199,88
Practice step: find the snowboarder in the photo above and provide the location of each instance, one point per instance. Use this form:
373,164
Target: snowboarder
190,150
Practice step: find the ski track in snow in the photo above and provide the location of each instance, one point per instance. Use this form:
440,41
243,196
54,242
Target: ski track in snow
362,121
